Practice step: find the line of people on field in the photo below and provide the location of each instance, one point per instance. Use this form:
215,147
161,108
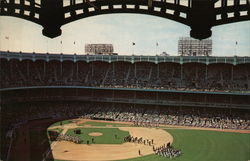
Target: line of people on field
138,140
74,139
167,151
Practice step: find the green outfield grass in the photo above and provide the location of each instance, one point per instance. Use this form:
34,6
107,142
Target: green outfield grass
108,136
92,123
198,145
63,123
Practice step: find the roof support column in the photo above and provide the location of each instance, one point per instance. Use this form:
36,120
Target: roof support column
158,68
181,74
76,70
92,69
28,68
135,71
61,67
44,69
113,72
232,73
181,63
206,74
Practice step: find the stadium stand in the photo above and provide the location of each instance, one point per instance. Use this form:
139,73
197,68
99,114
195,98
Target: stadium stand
193,76
205,92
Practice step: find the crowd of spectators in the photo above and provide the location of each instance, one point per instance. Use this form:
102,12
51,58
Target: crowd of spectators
174,116
139,115
190,76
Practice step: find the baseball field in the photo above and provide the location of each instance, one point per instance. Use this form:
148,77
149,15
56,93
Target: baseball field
106,142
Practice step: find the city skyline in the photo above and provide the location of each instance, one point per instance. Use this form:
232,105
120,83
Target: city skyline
152,35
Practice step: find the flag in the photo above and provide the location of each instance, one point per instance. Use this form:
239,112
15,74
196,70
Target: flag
133,43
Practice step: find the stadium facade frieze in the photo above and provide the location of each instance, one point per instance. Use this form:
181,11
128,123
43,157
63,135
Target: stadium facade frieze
123,58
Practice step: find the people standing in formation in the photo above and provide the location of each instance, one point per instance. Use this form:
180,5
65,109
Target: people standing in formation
74,139
138,140
167,151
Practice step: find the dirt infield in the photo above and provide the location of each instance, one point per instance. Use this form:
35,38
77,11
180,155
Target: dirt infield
95,134
65,150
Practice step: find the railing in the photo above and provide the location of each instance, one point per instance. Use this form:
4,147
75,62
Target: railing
238,92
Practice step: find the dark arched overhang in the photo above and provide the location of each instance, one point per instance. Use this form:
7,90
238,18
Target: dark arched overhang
200,15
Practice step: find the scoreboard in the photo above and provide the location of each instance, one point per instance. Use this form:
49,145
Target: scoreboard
192,47
103,49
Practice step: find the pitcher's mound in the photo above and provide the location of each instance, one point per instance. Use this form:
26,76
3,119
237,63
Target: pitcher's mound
95,134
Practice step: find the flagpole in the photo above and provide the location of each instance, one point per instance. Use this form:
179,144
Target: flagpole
33,45
47,45
8,43
74,47
133,49
156,49
235,48
61,46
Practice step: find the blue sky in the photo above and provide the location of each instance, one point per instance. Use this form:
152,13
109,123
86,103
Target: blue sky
120,30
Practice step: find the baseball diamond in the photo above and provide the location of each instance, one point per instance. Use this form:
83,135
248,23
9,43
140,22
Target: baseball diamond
179,137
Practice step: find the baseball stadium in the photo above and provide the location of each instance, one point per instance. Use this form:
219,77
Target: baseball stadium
127,98
135,108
